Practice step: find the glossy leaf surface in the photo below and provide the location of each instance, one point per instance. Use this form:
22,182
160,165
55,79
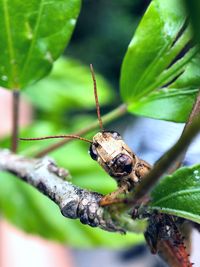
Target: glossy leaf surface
179,194
33,35
161,64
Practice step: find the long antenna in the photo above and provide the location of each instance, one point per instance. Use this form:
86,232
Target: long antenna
96,97
57,136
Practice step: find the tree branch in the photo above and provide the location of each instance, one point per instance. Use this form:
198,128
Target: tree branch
194,113
48,178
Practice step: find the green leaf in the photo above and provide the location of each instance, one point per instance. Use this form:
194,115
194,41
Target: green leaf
190,78
193,8
33,35
161,63
165,104
179,194
68,86
31,211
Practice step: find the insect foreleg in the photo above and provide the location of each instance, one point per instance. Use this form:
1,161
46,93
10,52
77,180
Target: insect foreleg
114,197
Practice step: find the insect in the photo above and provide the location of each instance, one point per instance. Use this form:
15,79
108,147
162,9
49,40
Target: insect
112,154
121,163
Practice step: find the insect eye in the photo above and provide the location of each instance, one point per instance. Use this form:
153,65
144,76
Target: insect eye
124,164
92,151
127,168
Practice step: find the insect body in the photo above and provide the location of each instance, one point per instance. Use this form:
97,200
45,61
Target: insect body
117,159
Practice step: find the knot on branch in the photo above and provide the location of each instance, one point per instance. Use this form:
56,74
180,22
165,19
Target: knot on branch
48,178
86,208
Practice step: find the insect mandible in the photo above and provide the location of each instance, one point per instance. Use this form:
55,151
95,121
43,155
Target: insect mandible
112,154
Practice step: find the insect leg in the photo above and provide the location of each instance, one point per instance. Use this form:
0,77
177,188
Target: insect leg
114,197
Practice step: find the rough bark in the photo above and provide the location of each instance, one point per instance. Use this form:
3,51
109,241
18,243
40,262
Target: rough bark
49,179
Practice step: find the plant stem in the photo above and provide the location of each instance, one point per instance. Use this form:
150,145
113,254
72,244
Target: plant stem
172,159
15,119
194,113
166,161
111,116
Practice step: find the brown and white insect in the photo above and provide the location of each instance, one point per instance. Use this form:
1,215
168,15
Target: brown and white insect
113,155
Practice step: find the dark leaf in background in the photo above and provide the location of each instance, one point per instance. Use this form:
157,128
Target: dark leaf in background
193,8
105,40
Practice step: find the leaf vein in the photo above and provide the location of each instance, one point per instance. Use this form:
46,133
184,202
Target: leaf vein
10,43
35,31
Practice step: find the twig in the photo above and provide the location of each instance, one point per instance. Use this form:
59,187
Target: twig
115,114
73,201
194,113
165,162
15,119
